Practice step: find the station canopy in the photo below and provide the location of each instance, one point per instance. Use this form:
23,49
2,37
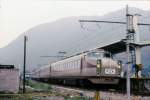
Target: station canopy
120,46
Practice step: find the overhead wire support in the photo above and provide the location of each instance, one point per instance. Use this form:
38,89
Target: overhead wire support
116,22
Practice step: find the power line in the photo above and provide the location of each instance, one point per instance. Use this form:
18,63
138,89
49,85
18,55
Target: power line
52,56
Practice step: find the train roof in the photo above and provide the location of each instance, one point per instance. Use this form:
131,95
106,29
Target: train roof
115,47
78,55
69,58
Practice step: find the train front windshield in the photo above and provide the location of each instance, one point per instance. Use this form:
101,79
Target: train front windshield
98,55
107,55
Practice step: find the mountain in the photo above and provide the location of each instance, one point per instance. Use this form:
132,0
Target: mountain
67,35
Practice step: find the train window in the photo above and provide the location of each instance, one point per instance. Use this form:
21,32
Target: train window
73,64
66,65
78,63
95,55
58,67
69,65
54,68
61,67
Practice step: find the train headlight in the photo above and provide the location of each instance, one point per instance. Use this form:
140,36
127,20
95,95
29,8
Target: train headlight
98,66
98,63
119,66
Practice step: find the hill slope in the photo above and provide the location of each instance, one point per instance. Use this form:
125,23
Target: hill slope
66,34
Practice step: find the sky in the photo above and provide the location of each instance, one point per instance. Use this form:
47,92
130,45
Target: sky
18,16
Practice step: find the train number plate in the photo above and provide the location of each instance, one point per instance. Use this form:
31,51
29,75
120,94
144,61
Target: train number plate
110,71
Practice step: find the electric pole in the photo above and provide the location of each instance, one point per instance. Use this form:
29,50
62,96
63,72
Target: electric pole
128,53
24,65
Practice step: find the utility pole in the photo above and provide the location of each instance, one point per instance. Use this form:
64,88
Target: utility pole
128,53
24,65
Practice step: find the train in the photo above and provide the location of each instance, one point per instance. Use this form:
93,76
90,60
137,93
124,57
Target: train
95,66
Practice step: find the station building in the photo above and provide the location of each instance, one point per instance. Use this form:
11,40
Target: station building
9,79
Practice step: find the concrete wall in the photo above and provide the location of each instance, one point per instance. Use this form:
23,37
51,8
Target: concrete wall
9,80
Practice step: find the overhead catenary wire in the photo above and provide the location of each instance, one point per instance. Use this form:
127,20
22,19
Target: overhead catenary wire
117,22
87,29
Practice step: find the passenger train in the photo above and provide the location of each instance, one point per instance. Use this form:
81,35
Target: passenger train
96,66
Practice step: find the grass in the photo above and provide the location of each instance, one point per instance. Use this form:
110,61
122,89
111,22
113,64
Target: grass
36,90
15,97
38,86
76,98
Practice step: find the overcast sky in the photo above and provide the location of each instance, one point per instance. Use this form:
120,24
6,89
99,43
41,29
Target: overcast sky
17,16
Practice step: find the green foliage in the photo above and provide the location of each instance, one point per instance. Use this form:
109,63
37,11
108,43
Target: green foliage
15,97
39,86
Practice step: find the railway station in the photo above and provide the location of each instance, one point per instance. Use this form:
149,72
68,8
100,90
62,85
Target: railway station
86,67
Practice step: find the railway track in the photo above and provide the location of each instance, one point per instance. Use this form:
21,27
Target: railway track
104,94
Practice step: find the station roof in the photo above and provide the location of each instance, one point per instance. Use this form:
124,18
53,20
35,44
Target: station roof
120,46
